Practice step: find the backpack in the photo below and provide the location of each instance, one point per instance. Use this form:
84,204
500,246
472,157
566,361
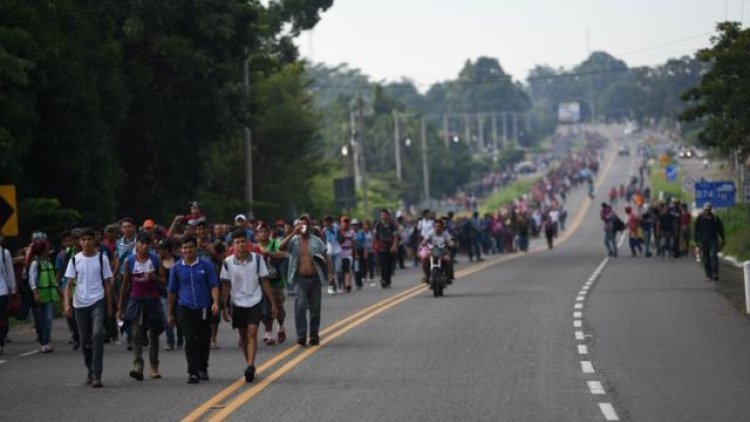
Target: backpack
618,224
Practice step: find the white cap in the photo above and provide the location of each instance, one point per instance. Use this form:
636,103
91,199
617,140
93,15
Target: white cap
240,217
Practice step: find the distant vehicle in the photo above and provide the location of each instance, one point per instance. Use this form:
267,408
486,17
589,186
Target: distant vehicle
687,153
623,150
525,167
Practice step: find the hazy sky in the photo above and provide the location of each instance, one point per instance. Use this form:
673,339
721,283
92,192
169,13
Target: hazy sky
429,40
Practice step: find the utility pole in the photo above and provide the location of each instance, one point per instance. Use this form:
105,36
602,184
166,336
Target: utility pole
505,129
467,130
397,145
363,164
446,135
425,167
515,128
248,139
480,127
494,135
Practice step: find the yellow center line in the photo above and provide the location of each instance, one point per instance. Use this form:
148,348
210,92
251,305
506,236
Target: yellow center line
359,318
216,399
256,389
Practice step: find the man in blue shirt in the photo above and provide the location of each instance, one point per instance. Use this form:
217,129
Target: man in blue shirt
194,281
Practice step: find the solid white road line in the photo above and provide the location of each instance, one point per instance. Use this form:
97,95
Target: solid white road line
583,350
577,323
595,387
609,411
33,352
577,314
587,367
580,336
578,306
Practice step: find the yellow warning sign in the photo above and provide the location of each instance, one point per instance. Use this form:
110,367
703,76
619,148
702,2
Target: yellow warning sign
8,211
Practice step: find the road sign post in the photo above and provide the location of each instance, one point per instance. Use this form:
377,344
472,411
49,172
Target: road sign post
8,211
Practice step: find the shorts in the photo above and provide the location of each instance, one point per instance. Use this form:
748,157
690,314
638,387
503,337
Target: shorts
242,317
346,264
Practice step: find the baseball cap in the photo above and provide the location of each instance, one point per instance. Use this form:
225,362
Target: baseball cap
149,224
193,222
240,217
707,206
355,222
195,204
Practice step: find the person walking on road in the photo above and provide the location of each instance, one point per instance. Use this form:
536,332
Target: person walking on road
7,288
140,306
386,234
709,234
308,265
91,275
46,292
666,224
245,280
193,299
607,215
635,233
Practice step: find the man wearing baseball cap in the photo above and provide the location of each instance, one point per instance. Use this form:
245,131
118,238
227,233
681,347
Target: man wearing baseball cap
709,235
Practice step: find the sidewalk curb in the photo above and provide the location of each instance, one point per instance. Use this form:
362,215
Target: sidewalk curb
730,259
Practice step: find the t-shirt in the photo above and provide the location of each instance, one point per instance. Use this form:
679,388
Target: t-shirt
439,241
124,248
425,227
88,275
243,276
333,247
347,243
666,222
384,233
140,285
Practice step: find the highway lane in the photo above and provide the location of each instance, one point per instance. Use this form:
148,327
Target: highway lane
499,346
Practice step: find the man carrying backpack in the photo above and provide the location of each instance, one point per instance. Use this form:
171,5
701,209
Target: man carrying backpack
90,273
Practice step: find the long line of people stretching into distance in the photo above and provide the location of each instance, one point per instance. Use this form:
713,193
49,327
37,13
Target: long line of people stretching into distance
130,283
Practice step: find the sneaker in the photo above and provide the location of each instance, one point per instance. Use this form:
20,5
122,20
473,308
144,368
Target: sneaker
331,290
314,341
155,375
97,383
89,379
249,373
302,342
203,375
269,339
372,284
137,373
193,379
282,335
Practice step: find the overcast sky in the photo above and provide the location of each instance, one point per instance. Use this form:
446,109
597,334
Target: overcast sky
429,40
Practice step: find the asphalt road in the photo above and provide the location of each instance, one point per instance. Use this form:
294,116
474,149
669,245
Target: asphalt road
501,345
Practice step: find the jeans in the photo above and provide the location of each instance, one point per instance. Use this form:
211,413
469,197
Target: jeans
386,267
709,251
523,243
90,321
666,245
196,325
43,314
145,332
308,297
647,240
169,331
610,242
3,318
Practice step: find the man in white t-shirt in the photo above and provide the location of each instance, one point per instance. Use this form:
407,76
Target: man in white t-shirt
245,280
425,225
91,276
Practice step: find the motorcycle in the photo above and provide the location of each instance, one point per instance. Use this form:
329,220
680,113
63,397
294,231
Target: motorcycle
438,276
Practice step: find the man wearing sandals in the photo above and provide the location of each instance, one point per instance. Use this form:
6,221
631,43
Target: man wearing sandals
140,304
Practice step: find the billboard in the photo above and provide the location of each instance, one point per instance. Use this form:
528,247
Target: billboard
569,112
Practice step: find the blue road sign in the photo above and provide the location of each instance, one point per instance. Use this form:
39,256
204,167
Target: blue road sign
671,173
719,194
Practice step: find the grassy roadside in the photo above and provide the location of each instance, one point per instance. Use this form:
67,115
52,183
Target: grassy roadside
659,183
507,194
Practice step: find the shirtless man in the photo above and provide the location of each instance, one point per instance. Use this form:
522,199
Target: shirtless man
309,269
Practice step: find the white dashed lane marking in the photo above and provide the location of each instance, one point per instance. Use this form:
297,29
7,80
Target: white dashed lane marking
609,411
596,387
587,367
577,323
580,336
33,352
583,350
577,314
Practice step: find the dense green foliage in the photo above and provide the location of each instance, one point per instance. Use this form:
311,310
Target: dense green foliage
722,99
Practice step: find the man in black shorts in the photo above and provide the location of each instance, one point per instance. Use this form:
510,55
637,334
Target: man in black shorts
245,278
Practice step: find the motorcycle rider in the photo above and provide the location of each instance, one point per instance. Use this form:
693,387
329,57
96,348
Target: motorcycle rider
441,239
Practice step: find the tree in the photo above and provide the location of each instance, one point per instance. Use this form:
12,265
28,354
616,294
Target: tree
722,99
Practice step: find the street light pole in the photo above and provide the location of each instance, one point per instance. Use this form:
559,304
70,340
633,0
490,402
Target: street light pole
425,167
248,140
397,145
